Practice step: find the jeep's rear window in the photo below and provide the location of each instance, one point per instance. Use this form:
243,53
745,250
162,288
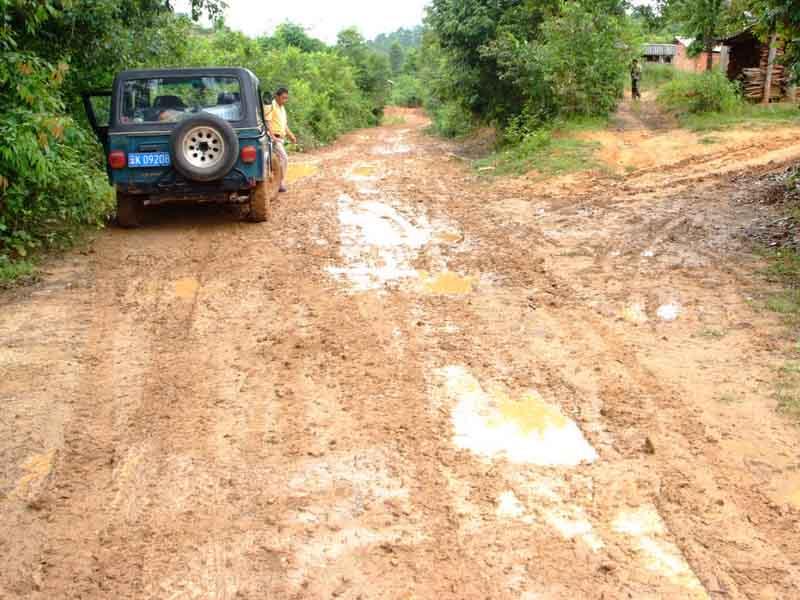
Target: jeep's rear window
170,100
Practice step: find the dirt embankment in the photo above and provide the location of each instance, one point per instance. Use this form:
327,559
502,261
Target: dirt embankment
409,385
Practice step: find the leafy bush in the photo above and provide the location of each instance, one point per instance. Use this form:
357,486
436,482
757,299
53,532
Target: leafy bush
325,97
407,91
51,180
550,58
451,119
654,75
547,150
584,57
708,92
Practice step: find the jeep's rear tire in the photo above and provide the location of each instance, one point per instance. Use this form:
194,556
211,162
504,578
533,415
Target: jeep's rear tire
204,148
129,210
266,192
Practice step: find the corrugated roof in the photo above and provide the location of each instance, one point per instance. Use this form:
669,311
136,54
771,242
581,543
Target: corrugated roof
689,41
660,50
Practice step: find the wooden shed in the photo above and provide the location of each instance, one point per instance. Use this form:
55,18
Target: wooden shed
748,58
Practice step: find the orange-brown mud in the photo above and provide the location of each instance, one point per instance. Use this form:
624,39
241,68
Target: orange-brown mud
410,384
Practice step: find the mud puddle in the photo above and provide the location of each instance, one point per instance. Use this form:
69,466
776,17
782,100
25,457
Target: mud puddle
525,430
445,283
378,243
299,171
186,288
363,172
669,312
648,536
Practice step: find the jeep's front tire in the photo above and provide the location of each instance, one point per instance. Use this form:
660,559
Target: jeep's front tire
266,192
129,210
204,148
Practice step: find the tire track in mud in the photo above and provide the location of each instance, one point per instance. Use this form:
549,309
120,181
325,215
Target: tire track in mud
633,398
84,490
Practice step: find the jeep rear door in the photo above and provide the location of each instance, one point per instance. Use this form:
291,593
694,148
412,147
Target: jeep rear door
98,110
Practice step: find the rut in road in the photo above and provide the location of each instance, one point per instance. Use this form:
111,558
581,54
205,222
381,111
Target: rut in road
412,383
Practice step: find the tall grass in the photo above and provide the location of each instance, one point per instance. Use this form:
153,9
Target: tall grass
552,149
655,75
691,93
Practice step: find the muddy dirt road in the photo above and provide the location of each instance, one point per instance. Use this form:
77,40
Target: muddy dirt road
411,384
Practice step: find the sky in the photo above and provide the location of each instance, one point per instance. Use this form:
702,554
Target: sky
325,18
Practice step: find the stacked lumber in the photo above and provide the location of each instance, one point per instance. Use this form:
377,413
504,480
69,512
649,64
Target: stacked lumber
754,79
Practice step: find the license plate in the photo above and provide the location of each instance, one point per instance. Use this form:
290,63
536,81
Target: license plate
139,160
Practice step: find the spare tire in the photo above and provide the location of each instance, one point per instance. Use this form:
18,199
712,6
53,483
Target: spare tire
204,148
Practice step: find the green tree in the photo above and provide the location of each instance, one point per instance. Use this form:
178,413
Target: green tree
649,17
396,58
292,35
500,59
407,38
372,68
783,17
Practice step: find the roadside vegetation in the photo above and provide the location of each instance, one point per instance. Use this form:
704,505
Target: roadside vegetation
709,101
524,68
552,150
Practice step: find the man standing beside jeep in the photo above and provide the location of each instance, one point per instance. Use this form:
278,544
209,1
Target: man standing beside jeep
278,126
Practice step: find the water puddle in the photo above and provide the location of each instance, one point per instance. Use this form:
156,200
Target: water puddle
445,284
525,430
668,312
635,313
362,172
449,237
571,523
544,504
395,146
659,554
186,288
509,506
378,243
298,171
393,149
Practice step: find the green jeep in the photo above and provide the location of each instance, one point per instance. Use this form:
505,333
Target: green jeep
186,135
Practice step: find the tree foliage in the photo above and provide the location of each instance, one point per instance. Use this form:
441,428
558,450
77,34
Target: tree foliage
396,59
372,68
406,38
500,59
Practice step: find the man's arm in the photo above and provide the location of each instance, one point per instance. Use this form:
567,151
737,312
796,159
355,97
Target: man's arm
290,135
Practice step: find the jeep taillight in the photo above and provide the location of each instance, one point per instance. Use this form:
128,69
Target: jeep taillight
249,154
117,159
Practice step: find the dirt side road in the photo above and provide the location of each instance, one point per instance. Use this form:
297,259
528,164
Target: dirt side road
411,384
